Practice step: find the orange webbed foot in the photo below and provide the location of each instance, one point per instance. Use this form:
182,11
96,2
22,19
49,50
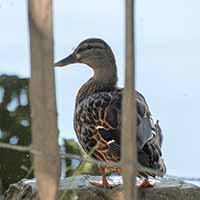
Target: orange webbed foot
104,183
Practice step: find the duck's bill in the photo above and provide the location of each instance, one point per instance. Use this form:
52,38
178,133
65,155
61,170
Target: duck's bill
66,61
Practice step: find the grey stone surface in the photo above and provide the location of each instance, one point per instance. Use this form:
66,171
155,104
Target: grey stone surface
78,187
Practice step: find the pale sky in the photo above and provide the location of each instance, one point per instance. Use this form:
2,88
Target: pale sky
168,64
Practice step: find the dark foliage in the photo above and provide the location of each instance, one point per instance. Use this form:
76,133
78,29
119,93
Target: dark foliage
14,128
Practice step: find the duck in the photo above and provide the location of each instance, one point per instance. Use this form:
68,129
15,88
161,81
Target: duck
97,114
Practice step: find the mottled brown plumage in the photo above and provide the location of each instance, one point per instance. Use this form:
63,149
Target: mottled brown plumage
97,116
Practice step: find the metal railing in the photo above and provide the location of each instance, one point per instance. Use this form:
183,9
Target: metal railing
129,155
43,99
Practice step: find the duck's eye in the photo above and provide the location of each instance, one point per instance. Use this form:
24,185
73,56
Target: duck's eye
89,47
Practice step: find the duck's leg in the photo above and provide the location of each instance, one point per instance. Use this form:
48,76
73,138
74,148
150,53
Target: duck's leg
104,183
145,184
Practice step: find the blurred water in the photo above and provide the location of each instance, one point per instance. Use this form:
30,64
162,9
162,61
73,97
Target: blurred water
168,47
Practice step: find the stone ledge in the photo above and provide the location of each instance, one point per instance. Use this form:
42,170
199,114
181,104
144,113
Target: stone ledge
79,188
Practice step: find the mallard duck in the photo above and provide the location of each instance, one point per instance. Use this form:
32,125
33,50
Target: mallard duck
97,115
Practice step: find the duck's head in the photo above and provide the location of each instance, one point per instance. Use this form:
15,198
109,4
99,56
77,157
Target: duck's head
95,53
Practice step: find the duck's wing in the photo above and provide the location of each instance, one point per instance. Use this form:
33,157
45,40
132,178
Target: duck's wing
149,140
111,129
149,134
144,121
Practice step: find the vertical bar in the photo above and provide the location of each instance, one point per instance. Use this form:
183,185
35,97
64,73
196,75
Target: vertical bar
129,156
43,101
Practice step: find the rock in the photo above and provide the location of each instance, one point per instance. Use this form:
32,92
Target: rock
78,187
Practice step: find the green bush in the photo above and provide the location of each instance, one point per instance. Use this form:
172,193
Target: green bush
14,129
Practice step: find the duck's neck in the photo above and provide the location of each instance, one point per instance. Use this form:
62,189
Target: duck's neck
106,75
104,80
